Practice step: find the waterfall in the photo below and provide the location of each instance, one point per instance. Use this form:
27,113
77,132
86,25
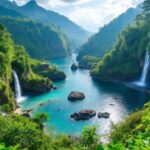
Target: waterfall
18,91
142,81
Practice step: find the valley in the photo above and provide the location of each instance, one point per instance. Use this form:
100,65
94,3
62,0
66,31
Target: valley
65,88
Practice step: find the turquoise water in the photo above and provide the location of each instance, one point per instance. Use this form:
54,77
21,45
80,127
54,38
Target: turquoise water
99,96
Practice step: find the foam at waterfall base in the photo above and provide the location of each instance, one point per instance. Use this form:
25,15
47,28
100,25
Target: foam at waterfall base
140,84
21,99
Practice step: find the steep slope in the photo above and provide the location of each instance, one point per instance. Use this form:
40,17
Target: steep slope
35,76
126,60
6,56
102,41
40,41
75,33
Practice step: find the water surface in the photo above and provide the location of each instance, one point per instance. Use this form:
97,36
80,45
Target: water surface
117,99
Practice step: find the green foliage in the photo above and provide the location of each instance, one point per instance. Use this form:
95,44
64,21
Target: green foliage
40,41
3,147
41,118
88,62
125,61
90,137
46,70
133,133
21,131
146,6
6,56
35,84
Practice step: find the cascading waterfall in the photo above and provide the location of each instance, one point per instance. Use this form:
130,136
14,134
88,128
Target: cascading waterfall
18,91
142,81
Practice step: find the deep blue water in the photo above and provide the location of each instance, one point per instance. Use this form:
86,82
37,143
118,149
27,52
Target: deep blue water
99,96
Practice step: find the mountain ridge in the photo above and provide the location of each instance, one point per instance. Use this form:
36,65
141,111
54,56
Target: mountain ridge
103,40
32,10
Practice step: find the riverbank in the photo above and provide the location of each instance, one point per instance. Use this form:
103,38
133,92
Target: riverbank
18,110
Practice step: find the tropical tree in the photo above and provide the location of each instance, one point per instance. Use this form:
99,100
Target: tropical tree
41,118
90,137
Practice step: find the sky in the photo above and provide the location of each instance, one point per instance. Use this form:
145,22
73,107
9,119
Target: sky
90,14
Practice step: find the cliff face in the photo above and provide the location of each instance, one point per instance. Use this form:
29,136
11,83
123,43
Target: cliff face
32,79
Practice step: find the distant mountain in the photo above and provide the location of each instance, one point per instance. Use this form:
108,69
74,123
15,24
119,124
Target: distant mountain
41,41
32,10
8,4
103,41
8,12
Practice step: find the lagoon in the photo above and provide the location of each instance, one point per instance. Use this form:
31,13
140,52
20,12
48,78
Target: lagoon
117,99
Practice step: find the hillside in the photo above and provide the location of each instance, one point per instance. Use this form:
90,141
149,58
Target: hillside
103,41
75,33
33,80
126,60
41,41
8,12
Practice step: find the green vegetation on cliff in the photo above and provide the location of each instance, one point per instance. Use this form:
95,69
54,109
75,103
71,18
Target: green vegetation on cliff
6,56
41,41
88,62
33,80
126,59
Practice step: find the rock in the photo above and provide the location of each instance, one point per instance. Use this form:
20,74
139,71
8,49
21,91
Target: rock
105,115
54,87
112,104
83,115
30,111
42,104
73,96
26,115
74,66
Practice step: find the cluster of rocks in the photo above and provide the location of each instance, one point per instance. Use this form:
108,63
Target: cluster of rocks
83,115
88,114
103,115
27,113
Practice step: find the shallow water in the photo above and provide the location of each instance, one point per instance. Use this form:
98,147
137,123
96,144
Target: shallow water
117,99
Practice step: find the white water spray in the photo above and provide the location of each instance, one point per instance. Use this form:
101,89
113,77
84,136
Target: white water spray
142,81
18,90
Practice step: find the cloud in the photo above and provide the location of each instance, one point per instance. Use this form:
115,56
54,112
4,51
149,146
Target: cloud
90,14
102,13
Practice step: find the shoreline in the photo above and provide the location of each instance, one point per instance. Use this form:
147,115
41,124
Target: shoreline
18,110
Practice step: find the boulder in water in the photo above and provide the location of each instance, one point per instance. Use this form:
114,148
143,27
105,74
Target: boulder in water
105,115
83,115
73,96
74,66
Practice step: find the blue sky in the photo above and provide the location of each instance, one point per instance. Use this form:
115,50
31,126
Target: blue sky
90,14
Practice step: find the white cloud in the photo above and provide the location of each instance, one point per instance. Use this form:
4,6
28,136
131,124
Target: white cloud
90,14
93,18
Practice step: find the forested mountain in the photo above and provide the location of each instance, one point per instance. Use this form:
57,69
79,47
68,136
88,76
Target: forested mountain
126,60
33,80
8,12
40,41
75,33
102,41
